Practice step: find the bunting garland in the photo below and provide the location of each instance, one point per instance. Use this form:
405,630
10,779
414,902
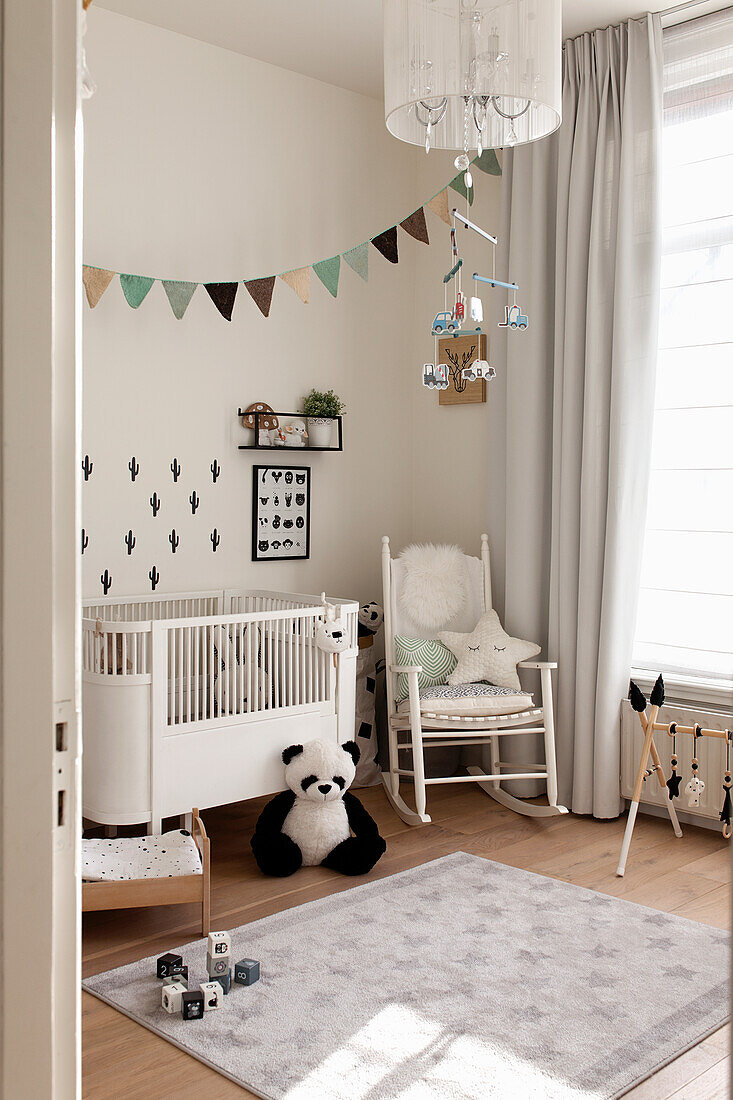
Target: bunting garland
386,243
179,293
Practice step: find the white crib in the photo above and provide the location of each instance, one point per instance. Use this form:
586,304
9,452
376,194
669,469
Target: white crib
189,699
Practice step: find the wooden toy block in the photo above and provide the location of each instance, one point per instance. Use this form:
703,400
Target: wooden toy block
215,967
177,979
192,1005
171,996
225,981
165,964
180,968
247,972
219,944
212,992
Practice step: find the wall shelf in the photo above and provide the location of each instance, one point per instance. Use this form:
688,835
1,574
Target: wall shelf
282,418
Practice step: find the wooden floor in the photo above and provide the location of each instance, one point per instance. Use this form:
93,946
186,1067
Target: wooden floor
690,877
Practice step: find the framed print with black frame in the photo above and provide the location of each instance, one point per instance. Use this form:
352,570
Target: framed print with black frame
281,513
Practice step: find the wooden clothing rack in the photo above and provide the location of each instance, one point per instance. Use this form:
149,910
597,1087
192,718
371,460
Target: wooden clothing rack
650,726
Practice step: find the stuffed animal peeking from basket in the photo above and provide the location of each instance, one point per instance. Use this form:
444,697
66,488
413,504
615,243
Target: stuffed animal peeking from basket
312,822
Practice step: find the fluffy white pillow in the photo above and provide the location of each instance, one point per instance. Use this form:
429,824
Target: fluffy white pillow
434,587
488,653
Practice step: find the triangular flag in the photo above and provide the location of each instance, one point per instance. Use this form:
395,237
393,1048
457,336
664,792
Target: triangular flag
179,295
416,226
223,295
439,206
96,280
386,243
488,163
300,281
358,259
261,291
458,185
135,287
328,272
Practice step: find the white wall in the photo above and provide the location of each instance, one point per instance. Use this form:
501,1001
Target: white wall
203,164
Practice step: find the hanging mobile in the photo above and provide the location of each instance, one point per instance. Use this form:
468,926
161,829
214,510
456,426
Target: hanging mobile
725,812
696,786
673,783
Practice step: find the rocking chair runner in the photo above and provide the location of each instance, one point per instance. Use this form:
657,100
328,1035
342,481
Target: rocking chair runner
422,725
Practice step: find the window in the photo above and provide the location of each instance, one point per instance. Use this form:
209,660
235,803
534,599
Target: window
685,618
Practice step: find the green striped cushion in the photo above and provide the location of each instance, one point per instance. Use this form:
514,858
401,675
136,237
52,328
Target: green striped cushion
436,659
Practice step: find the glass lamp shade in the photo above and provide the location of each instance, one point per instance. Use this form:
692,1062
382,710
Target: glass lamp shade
503,56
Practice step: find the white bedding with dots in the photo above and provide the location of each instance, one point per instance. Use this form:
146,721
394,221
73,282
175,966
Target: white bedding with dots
166,855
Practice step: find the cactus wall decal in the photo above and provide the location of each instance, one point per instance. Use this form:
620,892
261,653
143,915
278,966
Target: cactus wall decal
174,540
87,467
215,470
175,469
129,542
194,501
134,468
215,539
154,578
155,503
106,580
84,540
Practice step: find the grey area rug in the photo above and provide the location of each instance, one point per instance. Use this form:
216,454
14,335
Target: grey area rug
459,980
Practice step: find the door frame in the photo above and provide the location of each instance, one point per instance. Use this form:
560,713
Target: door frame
40,357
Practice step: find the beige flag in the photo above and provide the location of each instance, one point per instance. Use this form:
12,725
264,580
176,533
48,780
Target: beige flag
96,280
439,206
300,281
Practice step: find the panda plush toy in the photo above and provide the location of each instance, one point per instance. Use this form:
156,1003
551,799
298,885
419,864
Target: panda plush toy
311,823
371,617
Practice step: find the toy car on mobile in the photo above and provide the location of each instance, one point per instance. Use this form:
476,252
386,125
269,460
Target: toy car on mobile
480,368
513,318
444,322
435,378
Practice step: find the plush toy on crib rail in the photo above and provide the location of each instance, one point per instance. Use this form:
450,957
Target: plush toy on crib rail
332,635
311,823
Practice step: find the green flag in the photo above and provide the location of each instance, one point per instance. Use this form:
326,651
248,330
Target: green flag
328,272
358,259
135,287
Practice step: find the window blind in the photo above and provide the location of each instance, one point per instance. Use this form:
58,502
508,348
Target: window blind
685,617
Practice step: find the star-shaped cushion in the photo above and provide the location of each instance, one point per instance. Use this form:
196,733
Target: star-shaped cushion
488,653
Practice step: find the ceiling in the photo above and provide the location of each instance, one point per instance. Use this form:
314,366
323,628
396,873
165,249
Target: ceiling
337,41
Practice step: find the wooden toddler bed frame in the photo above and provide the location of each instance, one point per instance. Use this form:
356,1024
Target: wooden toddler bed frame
138,893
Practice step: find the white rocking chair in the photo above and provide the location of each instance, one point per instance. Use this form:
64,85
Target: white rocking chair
421,726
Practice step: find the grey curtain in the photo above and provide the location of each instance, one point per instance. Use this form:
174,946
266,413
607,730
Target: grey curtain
581,235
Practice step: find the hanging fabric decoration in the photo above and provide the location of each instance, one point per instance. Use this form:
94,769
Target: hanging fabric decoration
300,281
416,226
328,272
440,206
135,288
223,295
96,280
488,163
386,243
261,292
179,295
458,185
358,259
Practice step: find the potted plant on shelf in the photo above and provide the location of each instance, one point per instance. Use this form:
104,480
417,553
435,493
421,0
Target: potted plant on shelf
321,410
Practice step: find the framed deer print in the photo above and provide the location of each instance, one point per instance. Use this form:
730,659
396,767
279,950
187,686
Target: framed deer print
458,353
281,513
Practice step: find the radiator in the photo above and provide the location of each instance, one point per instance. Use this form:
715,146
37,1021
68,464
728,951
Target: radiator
710,754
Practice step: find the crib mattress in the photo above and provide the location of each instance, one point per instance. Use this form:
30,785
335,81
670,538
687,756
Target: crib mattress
167,855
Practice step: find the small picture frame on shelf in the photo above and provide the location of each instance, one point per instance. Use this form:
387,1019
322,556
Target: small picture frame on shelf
281,513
